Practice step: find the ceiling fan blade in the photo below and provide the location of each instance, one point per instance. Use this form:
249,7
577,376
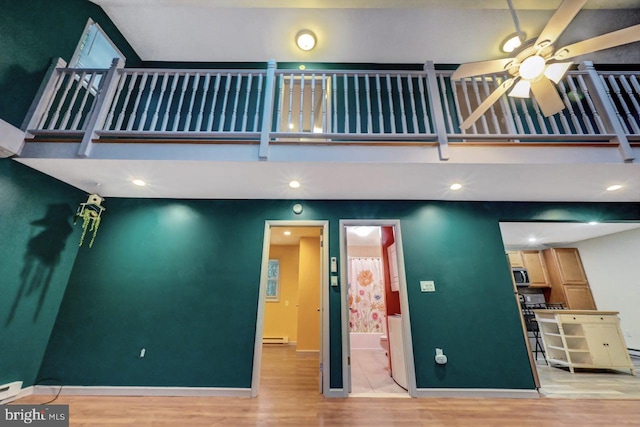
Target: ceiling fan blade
480,68
486,104
559,21
547,96
605,41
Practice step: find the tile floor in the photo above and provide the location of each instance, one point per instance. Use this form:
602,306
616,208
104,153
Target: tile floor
597,384
370,375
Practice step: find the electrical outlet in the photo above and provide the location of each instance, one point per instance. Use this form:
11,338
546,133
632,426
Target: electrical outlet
427,286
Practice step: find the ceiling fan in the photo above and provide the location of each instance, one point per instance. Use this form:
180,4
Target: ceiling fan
538,63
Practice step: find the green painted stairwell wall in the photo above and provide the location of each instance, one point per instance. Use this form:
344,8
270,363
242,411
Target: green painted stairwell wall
38,245
180,279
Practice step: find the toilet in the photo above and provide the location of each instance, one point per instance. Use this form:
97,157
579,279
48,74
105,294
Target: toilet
384,343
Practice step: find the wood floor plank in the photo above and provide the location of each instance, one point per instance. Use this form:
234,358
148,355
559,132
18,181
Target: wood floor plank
289,397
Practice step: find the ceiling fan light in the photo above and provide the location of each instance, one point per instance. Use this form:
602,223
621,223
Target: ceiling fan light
521,89
532,67
512,42
555,72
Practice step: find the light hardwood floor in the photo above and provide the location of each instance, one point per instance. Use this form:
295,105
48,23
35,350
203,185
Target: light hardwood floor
289,397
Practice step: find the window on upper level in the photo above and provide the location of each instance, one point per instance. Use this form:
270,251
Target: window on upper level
95,50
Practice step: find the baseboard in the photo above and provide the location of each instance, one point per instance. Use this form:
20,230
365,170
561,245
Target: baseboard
478,393
27,391
141,391
308,351
334,393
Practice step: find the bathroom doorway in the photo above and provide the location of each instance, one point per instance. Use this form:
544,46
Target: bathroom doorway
378,355
293,287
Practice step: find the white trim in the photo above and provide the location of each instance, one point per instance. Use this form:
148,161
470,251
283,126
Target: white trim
333,393
140,391
478,393
324,303
27,391
404,301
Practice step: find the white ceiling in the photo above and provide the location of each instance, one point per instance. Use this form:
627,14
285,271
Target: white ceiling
516,234
360,181
378,31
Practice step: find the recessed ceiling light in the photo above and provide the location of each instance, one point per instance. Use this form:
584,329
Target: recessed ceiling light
287,233
294,184
532,239
614,187
455,186
139,182
592,222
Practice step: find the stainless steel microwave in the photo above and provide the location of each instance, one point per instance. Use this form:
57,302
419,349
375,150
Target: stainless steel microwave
520,276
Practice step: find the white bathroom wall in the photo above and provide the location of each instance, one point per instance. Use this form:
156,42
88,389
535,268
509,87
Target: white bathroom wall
611,264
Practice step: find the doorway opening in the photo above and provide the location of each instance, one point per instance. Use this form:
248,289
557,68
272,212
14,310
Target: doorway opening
376,337
290,342
577,266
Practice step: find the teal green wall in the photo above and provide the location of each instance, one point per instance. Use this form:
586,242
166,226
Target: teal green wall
38,245
180,278
32,33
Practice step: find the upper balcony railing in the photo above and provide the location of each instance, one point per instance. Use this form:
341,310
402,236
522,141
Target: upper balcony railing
273,106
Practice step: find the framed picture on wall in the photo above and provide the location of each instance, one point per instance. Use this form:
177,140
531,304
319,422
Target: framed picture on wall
273,282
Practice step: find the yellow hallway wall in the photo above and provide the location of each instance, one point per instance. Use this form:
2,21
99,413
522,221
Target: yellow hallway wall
309,295
281,318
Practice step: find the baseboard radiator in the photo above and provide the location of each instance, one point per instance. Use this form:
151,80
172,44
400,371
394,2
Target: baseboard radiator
10,389
275,340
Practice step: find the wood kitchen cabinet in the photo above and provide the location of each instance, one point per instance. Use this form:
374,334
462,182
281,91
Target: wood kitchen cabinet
515,259
569,284
583,339
534,263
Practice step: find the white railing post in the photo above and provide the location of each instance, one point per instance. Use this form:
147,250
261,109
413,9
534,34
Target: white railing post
43,96
267,111
101,107
607,110
436,110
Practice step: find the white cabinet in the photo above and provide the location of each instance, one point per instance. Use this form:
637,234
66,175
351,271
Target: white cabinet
583,339
396,348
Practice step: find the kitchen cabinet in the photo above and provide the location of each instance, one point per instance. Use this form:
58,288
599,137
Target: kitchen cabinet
533,261
569,284
583,339
515,259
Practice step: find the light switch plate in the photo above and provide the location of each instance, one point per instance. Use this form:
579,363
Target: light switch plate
427,286
334,280
334,264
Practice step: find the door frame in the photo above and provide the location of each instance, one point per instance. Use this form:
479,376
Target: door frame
404,302
324,298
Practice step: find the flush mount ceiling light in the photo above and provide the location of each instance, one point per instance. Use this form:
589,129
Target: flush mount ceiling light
306,39
592,222
455,186
615,187
139,182
532,239
287,233
294,184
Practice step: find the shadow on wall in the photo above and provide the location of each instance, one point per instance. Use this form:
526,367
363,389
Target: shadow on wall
15,103
42,256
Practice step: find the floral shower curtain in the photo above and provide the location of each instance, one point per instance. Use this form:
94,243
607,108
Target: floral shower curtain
366,295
